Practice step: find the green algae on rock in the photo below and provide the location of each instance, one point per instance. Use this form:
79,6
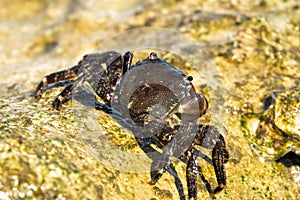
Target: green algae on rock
276,131
37,37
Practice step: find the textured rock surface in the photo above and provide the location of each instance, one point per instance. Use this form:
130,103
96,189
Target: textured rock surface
275,132
255,45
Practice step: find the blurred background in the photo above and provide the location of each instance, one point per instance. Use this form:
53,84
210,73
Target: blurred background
254,44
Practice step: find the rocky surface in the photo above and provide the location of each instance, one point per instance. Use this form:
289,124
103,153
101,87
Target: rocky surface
44,154
275,131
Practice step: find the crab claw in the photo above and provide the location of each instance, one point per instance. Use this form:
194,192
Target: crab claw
193,107
155,175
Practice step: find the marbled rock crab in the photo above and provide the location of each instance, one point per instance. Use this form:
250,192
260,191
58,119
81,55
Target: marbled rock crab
161,106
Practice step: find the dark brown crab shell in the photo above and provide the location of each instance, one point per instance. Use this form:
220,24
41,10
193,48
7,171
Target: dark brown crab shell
158,90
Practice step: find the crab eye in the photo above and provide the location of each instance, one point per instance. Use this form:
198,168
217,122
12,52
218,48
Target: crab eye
189,78
153,56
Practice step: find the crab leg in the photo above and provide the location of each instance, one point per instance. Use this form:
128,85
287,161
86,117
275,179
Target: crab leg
68,91
220,156
97,80
191,174
209,137
93,64
56,77
178,183
162,162
144,143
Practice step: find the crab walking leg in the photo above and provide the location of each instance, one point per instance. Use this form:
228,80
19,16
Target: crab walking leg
162,162
144,143
171,170
191,174
184,158
68,91
90,64
220,156
206,183
54,78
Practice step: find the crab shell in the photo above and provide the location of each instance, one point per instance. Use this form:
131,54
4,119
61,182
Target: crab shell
155,89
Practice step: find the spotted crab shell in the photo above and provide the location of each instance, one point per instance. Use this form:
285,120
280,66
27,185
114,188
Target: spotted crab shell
175,88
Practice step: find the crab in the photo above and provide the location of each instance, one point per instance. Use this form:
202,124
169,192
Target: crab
158,103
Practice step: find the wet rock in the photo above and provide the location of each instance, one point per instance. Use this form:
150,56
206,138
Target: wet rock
276,131
34,165
255,45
